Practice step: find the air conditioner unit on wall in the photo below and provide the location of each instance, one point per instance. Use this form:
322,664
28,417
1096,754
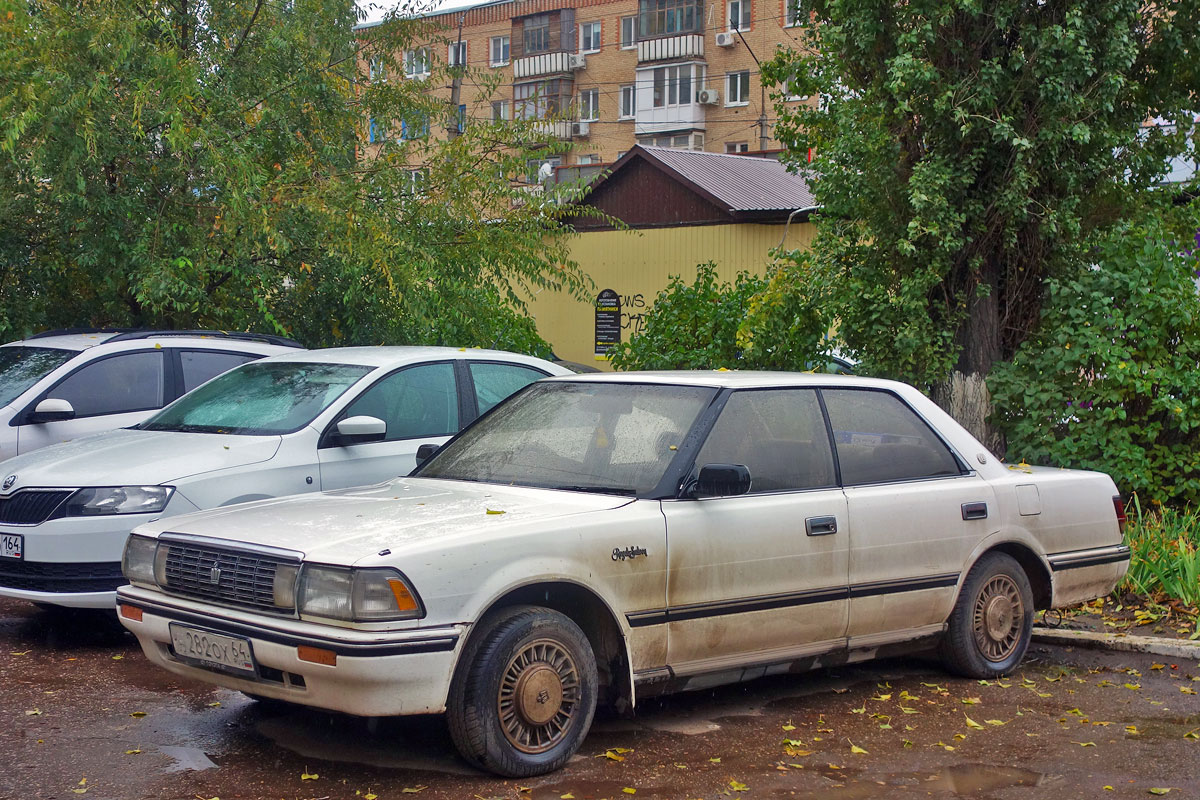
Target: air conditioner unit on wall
727,39
580,128
708,97
577,61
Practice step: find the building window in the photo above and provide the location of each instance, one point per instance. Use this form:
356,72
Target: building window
462,117
500,110
541,170
541,99
669,17
628,33
416,182
499,51
738,16
737,147
416,62
791,12
457,56
589,105
628,101
677,141
589,37
737,88
415,129
537,34
588,160
376,68
373,133
673,86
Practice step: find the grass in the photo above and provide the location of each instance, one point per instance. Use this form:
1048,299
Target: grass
1165,562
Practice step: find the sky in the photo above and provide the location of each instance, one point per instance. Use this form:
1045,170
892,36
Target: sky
377,9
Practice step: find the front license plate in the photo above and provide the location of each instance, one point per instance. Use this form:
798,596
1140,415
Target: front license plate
12,545
214,649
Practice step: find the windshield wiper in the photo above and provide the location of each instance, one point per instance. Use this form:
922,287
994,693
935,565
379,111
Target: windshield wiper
597,489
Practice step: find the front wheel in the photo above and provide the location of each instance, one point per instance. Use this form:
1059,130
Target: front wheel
524,694
992,619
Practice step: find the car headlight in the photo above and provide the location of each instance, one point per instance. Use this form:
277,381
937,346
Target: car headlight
137,563
98,500
356,595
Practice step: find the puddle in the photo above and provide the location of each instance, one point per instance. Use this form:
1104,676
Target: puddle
186,758
964,780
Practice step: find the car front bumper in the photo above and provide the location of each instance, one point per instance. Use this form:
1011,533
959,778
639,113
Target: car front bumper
374,674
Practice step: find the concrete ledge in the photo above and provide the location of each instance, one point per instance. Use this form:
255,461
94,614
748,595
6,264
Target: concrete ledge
1168,648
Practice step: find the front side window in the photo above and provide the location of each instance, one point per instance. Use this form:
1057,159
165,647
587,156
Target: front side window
669,17
259,399
22,367
628,101
880,439
737,88
589,105
779,434
738,15
116,385
415,402
499,51
537,34
416,62
589,37
628,33
597,437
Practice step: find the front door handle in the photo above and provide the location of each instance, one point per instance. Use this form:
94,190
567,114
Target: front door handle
820,526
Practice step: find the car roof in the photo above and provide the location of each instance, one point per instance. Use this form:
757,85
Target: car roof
78,341
397,355
733,378
71,341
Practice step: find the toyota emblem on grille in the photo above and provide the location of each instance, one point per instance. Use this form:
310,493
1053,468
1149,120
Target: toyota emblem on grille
214,575
9,481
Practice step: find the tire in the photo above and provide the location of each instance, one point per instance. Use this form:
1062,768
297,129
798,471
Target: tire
990,625
524,693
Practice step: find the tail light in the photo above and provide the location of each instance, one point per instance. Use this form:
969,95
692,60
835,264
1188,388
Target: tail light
1120,508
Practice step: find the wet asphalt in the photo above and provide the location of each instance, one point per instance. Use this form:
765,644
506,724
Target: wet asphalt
83,715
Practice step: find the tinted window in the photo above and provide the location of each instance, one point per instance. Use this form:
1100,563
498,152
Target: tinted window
494,382
259,399
130,382
879,438
22,367
779,434
201,366
418,401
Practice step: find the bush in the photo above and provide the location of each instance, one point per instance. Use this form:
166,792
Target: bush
1110,381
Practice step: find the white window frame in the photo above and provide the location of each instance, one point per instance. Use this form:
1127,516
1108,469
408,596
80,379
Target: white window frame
416,63
629,89
672,85
730,79
791,13
589,160
505,43
629,43
745,11
736,148
376,69
458,59
505,109
589,110
596,36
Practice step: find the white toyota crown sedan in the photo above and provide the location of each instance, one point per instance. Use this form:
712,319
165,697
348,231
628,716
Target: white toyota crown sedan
602,538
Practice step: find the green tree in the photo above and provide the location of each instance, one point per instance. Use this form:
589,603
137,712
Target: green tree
965,151
186,164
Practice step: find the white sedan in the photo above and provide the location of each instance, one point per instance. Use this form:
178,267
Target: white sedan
602,538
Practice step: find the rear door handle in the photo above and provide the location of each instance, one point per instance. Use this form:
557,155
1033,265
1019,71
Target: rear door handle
820,526
974,510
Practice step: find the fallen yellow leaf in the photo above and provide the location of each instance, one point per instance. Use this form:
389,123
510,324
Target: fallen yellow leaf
414,789
973,724
738,787
629,790
307,776
1085,744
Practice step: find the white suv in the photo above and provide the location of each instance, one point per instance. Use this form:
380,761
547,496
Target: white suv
61,385
311,420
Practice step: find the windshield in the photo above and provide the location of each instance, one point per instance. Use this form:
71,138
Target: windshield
598,437
21,367
258,399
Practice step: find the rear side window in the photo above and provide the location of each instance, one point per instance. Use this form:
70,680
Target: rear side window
418,401
494,382
200,366
129,382
779,434
880,439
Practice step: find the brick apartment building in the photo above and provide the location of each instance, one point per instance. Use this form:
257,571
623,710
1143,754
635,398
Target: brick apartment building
608,74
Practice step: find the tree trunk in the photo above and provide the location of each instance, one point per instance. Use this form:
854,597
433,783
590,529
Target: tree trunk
964,395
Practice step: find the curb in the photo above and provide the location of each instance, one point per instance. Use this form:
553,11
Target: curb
1170,648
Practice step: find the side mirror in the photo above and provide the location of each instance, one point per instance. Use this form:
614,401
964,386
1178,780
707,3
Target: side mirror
359,430
722,480
52,409
426,451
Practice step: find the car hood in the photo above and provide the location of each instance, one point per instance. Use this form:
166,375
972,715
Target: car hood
133,457
346,526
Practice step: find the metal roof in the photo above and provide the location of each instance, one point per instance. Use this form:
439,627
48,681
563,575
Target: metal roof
740,183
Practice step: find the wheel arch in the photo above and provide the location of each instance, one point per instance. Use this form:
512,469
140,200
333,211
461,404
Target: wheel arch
1035,570
593,616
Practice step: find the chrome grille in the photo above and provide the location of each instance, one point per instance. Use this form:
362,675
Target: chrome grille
31,506
223,575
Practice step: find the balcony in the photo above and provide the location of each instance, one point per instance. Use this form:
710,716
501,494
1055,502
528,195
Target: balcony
554,129
687,46
547,64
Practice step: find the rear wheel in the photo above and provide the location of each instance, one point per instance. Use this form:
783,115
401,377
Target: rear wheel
990,626
524,694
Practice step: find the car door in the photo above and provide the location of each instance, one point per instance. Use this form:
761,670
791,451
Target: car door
761,577
916,512
106,393
419,404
